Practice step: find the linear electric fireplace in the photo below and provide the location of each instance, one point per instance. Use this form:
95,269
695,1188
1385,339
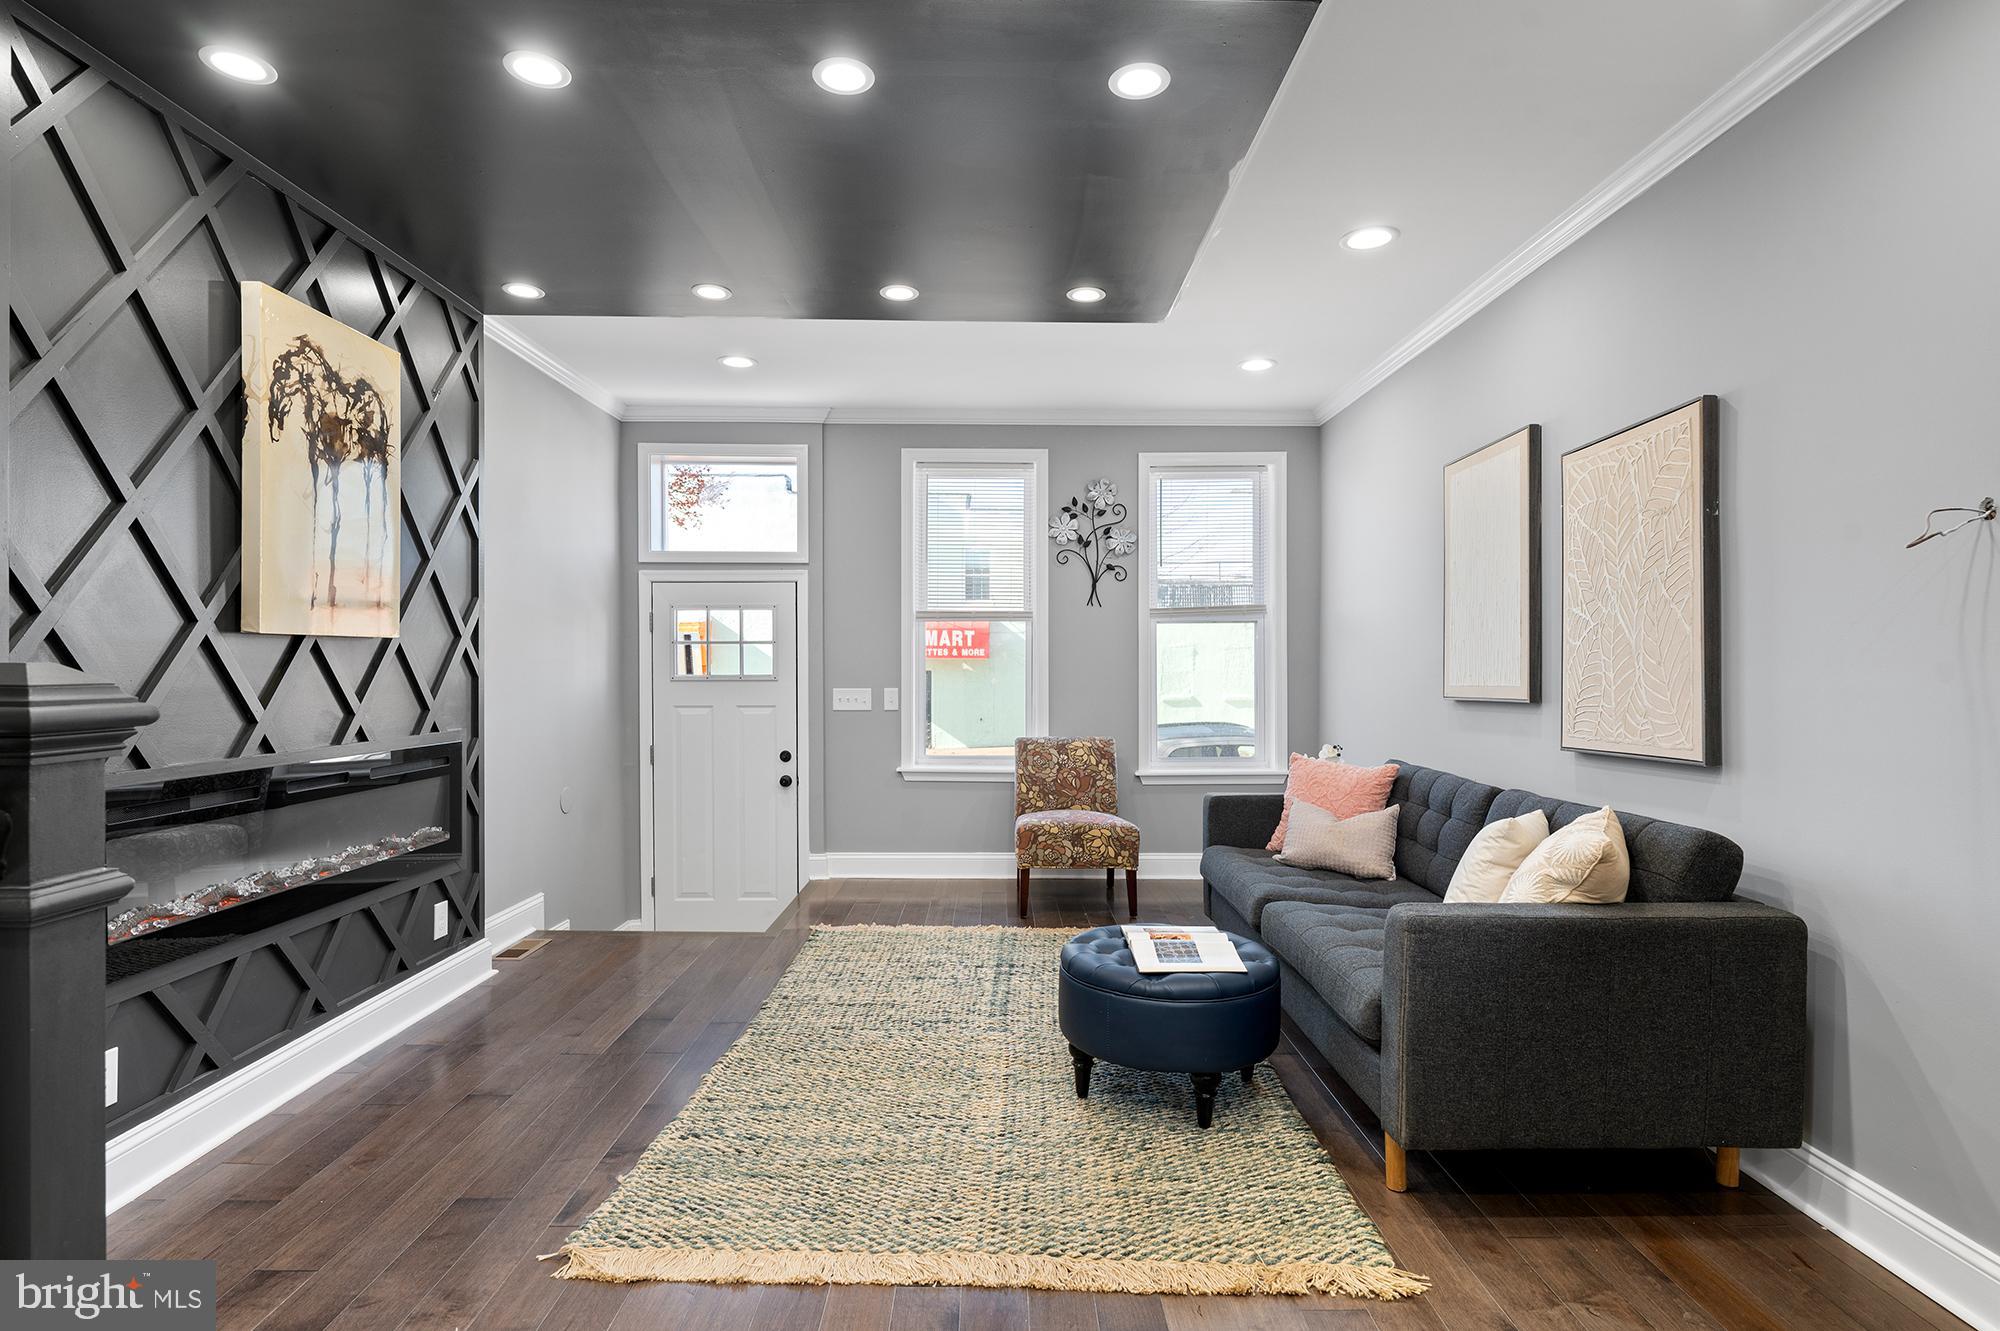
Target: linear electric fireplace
270,895
199,842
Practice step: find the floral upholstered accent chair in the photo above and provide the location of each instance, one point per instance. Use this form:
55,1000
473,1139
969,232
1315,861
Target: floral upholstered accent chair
1066,813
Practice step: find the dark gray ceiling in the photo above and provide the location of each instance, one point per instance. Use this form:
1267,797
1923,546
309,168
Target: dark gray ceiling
990,166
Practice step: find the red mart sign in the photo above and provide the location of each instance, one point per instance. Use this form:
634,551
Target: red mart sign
965,640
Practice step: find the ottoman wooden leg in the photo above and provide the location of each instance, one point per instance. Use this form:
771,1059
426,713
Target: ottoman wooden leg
1132,892
1083,1063
1021,878
1205,1084
1248,1073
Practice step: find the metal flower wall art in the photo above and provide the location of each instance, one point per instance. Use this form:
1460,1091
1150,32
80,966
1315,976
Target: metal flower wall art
1086,531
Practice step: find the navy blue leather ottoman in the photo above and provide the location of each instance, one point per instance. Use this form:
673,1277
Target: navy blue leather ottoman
1201,1024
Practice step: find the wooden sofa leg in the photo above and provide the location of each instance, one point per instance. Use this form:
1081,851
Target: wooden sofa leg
1021,879
1729,1166
1395,1167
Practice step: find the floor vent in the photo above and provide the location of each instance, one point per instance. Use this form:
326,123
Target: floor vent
515,951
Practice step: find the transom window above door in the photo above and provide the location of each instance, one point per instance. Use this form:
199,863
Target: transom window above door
725,642
722,503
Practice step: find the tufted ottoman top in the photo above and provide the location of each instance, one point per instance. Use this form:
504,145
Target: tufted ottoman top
1099,958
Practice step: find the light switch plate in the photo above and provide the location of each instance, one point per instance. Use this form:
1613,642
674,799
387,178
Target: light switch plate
853,700
111,1076
891,699
440,921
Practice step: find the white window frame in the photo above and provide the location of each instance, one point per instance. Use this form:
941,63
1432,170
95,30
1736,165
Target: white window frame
649,453
1273,737
915,765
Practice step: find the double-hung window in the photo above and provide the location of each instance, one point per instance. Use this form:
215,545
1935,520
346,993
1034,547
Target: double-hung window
1213,688
975,597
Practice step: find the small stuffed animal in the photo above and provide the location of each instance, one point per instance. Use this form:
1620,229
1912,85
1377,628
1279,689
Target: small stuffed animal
1331,752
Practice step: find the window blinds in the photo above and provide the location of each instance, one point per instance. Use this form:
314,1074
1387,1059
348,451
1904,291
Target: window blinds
1209,533
972,539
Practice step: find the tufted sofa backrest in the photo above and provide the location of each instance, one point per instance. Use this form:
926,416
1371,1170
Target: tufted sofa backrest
1441,813
1670,861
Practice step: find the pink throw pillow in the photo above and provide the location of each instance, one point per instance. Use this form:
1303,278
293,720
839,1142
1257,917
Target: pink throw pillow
1342,789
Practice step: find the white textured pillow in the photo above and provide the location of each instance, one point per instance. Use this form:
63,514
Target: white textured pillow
1363,846
1585,862
1490,861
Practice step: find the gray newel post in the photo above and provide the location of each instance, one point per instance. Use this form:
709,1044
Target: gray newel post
57,728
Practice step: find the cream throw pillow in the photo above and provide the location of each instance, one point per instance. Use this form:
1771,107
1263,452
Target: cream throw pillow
1490,861
1363,846
1584,862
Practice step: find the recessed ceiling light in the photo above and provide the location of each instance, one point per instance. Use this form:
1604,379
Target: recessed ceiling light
238,65
711,291
899,291
1085,295
844,75
543,71
523,290
1258,364
1141,80
1369,237
737,362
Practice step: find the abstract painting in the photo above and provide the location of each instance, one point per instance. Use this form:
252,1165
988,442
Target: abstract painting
1641,619
1493,571
322,480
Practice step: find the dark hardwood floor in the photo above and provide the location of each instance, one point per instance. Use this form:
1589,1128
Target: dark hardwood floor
415,1187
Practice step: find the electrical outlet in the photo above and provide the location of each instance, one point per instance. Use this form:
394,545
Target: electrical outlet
853,700
440,920
111,1076
891,699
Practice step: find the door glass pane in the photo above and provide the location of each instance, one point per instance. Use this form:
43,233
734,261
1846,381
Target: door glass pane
1206,683
975,687
757,659
744,506
757,623
725,658
725,625
691,641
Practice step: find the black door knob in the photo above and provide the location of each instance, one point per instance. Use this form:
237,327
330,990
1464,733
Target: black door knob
785,780
784,755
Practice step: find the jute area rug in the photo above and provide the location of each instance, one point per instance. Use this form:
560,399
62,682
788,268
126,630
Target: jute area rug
902,1112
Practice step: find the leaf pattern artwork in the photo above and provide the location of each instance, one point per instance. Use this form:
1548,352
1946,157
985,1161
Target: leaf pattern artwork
1632,609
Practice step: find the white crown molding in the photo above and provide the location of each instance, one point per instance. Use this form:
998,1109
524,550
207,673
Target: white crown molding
1838,23
1096,416
1950,1267
504,334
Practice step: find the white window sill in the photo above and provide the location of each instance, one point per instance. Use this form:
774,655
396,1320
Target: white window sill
1208,776
911,773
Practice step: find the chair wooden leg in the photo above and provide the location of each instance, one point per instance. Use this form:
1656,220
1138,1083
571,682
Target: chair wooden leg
1110,880
1132,892
1729,1166
1021,881
1395,1167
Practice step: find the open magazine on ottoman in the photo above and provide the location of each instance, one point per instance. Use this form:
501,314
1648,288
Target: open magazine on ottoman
1159,949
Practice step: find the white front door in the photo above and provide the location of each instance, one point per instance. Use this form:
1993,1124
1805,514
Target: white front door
726,775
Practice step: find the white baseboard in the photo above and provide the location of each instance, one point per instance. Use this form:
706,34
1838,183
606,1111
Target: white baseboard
136,1160
515,922
631,927
1951,1268
977,864
559,927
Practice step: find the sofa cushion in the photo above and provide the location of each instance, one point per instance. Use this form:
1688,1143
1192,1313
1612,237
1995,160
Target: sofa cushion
1338,951
1441,815
1670,861
1250,880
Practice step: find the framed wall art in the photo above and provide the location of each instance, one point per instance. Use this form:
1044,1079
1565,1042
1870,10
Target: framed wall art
322,480
1641,648
1492,571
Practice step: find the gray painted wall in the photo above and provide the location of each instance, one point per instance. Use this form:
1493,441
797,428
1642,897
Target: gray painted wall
1826,268
858,801
556,701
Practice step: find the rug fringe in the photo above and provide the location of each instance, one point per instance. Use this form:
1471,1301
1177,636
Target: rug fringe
724,1266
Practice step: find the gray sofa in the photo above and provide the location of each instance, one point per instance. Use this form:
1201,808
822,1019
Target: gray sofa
1674,1019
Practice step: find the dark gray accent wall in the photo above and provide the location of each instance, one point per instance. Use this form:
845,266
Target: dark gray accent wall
553,620
1827,268
129,228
